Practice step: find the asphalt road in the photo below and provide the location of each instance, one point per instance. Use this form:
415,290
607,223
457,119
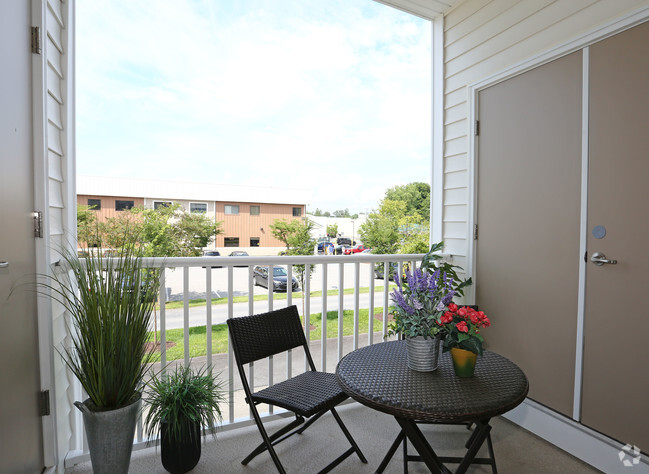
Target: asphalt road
174,281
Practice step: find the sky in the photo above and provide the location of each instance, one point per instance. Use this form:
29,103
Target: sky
333,96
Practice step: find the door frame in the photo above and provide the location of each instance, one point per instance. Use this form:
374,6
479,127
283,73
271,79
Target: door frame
41,247
567,433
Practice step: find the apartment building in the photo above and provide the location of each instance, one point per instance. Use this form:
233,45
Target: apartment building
245,212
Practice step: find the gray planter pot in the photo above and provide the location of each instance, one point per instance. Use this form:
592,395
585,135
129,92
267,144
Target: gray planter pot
423,354
110,436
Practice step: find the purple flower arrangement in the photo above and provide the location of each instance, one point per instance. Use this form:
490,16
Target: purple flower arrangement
420,302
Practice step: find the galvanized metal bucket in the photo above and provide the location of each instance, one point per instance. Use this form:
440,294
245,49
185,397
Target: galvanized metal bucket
110,436
423,354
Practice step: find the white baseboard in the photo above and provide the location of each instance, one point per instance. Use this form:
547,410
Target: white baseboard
588,445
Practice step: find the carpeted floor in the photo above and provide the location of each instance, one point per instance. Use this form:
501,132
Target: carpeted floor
517,451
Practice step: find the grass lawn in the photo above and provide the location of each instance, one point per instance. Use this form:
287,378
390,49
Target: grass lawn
198,340
276,296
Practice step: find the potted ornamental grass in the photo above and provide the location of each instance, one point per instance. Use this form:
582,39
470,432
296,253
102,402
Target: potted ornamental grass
181,403
420,302
108,302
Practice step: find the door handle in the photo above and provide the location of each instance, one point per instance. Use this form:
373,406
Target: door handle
600,259
4,264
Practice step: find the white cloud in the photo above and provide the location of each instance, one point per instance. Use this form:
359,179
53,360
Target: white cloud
332,95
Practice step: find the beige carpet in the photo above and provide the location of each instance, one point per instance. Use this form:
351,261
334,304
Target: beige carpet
517,451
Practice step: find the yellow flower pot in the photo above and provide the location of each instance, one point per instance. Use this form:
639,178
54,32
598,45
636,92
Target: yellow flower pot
463,362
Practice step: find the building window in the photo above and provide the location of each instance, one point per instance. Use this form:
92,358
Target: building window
159,204
254,241
94,204
297,211
123,205
197,207
231,209
254,210
231,242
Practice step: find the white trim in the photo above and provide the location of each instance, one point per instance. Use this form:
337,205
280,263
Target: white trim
437,96
583,237
588,445
41,247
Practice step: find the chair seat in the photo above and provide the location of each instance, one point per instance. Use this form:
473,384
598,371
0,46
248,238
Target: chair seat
305,394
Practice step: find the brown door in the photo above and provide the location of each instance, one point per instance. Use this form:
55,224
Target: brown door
21,444
528,208
616,349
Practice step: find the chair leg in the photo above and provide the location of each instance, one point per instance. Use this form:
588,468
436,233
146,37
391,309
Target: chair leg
348,435
310,421
267,442
272,438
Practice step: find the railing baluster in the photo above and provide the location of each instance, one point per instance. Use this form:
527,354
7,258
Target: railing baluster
230,351
341,307
357,284
251,310
289,302
386,285
186,313
306,293
370,314
208,314
163,320
323,320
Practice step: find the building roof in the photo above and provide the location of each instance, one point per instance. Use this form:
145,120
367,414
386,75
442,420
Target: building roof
190,191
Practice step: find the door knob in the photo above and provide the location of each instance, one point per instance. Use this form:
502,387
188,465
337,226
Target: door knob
4,264
600,259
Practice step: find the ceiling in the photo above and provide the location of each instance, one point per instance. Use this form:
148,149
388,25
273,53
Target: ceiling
428,9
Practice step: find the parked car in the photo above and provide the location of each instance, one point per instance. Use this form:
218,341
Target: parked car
279,279
358,248
239,253
340,249
323,245
344,241
212,253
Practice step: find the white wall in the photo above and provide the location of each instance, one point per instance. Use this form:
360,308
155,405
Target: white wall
346,227
486,37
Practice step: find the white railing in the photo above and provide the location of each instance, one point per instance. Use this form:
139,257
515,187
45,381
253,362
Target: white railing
231,275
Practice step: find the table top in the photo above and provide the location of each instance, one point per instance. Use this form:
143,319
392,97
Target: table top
378,376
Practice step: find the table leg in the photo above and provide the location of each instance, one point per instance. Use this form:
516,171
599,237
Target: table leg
477,438
422,446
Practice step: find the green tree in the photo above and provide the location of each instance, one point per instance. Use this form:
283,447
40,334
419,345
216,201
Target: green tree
332,230
415,195
296,235
88,229
168,231
381,230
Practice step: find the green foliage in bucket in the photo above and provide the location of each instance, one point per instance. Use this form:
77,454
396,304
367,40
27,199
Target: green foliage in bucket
109,302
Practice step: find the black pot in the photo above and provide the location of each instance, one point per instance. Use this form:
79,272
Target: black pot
180,456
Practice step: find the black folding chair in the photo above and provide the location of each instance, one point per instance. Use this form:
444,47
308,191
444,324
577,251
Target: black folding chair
308,395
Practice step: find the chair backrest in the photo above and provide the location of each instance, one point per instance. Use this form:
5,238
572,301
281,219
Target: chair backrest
263,335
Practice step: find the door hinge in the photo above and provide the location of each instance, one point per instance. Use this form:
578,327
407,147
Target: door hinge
38,224
477,128
36,39
44,402
475,231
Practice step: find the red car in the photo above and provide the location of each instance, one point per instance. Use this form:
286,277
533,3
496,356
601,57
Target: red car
358,248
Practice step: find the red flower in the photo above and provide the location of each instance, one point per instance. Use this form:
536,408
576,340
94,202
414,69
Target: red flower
474,318
462,327
452,308
485,322
447,317
462,311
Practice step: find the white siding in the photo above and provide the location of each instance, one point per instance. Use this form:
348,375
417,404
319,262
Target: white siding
483,38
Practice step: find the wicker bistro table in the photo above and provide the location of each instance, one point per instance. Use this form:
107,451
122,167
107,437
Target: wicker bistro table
377,376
